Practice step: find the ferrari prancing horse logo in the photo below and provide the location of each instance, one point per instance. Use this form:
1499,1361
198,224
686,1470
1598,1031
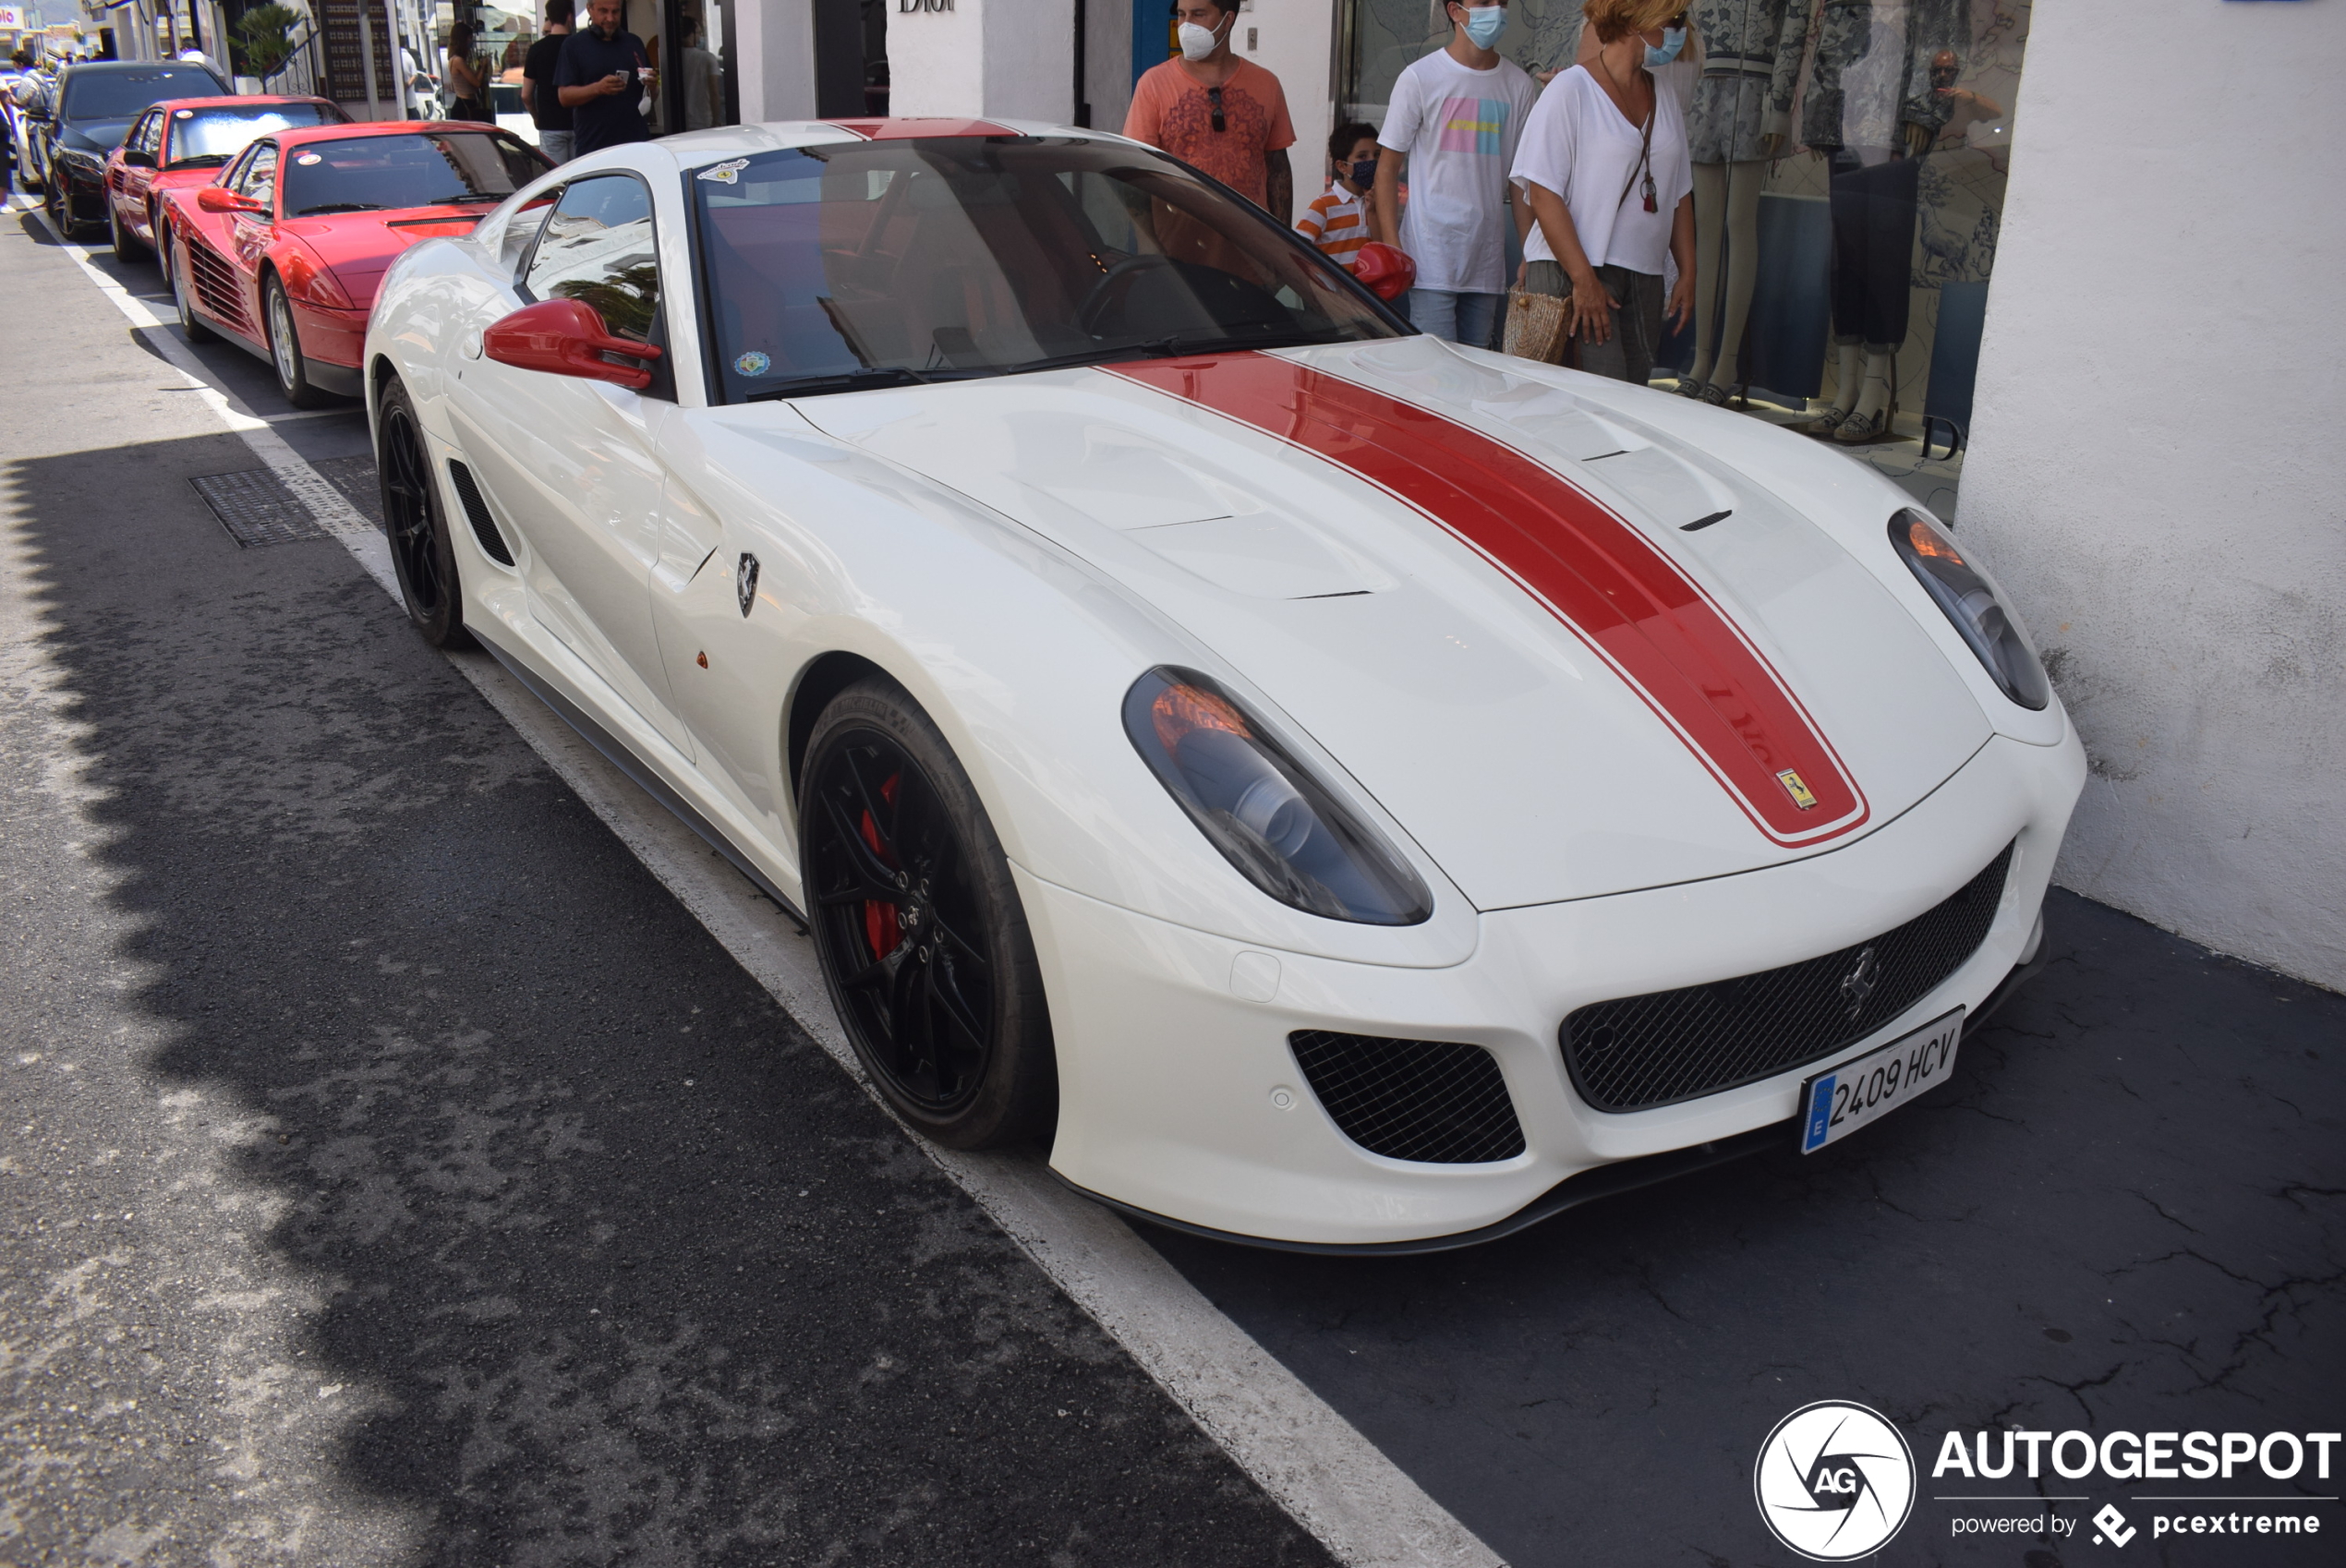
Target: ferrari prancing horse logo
745,583
1790,778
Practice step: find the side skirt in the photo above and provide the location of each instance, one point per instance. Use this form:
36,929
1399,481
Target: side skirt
650,782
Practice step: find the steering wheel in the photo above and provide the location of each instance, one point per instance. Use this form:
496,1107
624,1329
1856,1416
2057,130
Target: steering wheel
1096,302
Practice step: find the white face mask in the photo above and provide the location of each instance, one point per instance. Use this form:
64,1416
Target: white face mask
1197,41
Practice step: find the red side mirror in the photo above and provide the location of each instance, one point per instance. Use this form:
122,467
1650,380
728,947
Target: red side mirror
219,198
1384,271
564,337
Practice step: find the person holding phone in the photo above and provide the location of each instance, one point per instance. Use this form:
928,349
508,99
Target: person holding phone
602,79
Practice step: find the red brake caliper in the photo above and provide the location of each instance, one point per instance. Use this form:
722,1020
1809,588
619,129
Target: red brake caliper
882,927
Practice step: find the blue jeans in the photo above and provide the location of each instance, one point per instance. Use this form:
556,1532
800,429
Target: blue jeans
1469,318
555,144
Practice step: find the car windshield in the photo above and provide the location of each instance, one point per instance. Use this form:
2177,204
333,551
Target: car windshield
948,257
418,169
118,95
214,135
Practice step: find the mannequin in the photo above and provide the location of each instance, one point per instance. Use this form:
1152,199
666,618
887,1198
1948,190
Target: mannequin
1867,106
1726,133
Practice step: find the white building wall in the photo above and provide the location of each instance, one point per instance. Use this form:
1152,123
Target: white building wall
1296,42
776,56
2157,470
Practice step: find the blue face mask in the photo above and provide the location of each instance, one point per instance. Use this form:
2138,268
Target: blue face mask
1484,23
1672,39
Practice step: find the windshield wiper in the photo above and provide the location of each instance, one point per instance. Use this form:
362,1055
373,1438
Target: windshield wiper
845,380
1168,346
460,200
199,161
341,207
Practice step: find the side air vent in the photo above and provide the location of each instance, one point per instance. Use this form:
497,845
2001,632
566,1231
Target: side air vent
1433,1101
492,543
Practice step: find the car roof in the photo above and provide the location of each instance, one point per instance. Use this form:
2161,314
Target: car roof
239,101
298,135
112,67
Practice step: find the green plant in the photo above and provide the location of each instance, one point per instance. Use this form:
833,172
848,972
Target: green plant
265,32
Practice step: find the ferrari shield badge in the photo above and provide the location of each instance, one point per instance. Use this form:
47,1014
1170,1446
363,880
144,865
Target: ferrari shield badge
726,173
1797,788
745,583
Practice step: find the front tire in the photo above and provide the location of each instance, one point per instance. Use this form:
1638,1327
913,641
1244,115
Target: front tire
125,245
420,550
285,348
923,943
176,267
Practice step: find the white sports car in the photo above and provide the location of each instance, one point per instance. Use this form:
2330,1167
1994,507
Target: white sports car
1337,789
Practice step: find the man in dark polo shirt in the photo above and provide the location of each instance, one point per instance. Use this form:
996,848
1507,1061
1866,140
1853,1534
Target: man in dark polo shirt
601,78
538,95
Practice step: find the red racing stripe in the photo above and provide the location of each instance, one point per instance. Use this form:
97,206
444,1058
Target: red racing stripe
1596,573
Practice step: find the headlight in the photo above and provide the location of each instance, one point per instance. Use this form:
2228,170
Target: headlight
89,165
1282,829
1970,600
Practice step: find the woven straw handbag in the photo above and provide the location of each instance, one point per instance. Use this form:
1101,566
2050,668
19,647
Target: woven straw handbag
1538,325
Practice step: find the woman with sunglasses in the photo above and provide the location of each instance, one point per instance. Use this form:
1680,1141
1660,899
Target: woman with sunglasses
1216,112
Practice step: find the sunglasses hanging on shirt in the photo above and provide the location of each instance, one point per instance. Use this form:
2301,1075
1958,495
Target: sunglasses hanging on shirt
1214,96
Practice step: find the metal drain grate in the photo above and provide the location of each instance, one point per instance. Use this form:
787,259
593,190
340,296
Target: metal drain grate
258,507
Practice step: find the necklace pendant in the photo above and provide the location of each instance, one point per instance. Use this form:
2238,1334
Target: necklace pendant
1648,193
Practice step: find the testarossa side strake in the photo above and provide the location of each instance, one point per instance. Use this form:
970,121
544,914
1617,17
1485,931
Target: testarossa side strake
1334,788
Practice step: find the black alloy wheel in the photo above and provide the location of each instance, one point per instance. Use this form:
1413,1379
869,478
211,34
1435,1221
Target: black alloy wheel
923,940
420,550
126,243
178,265
285,348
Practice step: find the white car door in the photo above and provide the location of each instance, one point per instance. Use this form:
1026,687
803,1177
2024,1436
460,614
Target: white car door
573,461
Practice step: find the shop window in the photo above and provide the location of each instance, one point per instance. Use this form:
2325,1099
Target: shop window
1850,159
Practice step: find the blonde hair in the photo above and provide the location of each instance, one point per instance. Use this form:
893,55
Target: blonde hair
1615,20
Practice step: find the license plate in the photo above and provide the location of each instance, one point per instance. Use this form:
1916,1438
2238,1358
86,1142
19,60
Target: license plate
1860,1094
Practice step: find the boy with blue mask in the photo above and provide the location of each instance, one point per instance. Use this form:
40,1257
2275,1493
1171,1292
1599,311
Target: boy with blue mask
1455,119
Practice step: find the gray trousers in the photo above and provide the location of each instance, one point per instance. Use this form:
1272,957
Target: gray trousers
1628,354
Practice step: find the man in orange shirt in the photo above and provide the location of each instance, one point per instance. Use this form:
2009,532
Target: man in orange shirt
1216,112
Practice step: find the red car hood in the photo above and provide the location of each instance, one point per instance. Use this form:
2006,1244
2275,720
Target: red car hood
358,247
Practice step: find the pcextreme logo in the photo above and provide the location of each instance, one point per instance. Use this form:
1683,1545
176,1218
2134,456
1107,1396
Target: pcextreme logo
1836,1481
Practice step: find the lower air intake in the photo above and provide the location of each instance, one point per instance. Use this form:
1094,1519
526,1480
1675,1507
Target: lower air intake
1670,1046
1433,1101
492,543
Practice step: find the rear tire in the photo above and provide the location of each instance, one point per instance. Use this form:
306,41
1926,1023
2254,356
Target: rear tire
285,348
183,295
420,550
923,940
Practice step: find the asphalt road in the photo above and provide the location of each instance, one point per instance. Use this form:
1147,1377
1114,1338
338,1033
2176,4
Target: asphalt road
395,1173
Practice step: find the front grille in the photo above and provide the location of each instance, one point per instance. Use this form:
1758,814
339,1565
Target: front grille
492,543
1670,1046
1428,1100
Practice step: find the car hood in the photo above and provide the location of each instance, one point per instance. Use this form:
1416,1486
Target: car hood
1479,592
358,247
94,136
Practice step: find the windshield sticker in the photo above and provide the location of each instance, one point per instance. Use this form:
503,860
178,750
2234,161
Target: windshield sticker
726,173
309,158
753,364
185,114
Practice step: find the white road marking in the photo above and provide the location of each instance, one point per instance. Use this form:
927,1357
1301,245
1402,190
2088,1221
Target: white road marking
1334,1482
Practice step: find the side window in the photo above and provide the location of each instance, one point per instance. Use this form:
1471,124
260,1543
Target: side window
142,135
520,229
259,180
597,249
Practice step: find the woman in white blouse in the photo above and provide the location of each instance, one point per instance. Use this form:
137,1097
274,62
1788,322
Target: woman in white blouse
1603,164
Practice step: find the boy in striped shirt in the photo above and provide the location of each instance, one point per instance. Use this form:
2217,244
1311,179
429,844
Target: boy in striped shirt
1338,222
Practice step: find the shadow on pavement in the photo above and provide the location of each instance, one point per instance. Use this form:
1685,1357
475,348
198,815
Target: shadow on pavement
618,1265
2126,1213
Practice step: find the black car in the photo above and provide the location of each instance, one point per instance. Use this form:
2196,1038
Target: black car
88,112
